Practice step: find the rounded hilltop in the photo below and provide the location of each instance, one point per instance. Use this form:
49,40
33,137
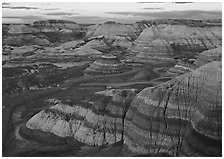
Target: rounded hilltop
152,88
106,65
113,32
185,107
111,22
53,21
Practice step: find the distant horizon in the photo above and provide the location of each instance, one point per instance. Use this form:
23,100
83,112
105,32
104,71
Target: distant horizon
100,12
111,20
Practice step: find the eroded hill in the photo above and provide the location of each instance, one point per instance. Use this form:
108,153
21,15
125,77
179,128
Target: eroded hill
152,88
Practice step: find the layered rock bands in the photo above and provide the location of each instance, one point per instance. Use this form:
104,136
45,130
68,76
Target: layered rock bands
163,42
98,122
116,34
181,117
208,56
106,65
43,32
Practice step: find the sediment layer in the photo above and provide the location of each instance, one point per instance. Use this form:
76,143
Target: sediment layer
106,65
208,56
181,117
98,122
163,41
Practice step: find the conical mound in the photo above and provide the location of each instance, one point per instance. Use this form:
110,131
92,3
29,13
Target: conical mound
106,65
151,47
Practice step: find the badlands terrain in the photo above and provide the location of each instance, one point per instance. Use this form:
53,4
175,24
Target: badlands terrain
152,88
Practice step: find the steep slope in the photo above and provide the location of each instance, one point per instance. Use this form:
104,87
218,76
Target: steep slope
139,26
50,30
181,117
56,26
97,44
96,122
21,28
161,41
181,67
150,46
208,56
70,45
116,34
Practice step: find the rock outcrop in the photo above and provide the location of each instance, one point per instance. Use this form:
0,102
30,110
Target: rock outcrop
27,39
97,44
116,34
64,48
70,44
91,48
176,115
194,39
21,29
110,30
181,117
97,122
181,67
106,65
165,41
139,26
152,48
208,56
49,31
56,26
86,51
125,42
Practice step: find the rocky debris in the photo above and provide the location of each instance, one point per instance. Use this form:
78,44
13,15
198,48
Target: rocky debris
208,56
182,117
106,65
98,122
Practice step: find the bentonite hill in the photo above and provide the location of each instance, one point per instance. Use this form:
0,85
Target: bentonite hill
151,88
